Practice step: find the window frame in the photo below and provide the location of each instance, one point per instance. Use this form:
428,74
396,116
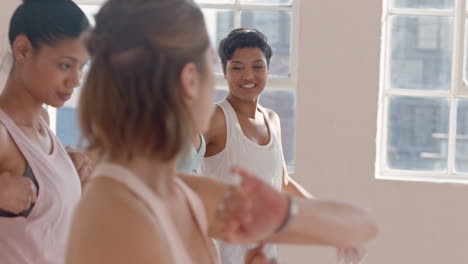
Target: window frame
458,90
274,82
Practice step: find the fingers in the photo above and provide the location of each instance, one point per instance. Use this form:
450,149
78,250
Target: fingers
85,172
249,181
256,256
17,193
253,253
29,194
31,189
233,212
351,255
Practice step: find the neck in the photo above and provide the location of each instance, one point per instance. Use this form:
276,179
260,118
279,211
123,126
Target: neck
244,108
156,173
19,104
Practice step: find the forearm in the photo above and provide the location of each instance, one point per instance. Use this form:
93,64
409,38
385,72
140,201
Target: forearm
328,223
211,193
295,189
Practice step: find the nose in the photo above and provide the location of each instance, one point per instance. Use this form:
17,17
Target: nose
248,74
74,79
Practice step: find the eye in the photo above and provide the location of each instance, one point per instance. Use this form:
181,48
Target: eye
65,66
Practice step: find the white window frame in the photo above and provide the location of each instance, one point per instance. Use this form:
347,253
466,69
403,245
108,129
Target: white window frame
274,82
458,90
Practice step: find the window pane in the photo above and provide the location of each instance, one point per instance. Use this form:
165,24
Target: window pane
283,102
421,52
417,133
219,23
276,25
215,1
461,162
267,2
465,72
432,4
68,130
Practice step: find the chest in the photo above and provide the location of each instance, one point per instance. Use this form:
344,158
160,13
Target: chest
255,129
40,138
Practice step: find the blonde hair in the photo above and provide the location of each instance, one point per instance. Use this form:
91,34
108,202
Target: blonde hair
132,101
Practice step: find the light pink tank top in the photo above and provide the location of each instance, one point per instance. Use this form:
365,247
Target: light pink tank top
160,212
41,237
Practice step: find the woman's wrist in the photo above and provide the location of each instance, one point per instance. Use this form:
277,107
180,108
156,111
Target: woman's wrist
293,209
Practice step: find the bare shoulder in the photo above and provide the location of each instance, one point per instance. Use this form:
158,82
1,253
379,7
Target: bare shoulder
110,225
4,143
216,134
217,124
8,148
274,119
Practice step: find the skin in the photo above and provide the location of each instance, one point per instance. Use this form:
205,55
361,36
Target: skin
246,74
43,76
111,225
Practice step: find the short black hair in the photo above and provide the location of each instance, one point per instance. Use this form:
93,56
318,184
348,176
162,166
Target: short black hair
47,21
243,38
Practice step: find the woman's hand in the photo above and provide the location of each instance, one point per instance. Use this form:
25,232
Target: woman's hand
17,193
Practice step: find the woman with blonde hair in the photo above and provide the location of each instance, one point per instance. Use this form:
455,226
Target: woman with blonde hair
149,87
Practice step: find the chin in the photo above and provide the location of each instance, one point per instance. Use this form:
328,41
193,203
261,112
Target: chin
57,104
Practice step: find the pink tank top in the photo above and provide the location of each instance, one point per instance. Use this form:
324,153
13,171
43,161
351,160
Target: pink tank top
159,211
41,237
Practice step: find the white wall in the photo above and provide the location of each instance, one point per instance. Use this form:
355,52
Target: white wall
421,223
7,8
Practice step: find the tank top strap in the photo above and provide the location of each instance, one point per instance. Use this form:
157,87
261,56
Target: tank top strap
196,205
199,214
152,202
15,132
269,122
202,149
231,120
229,112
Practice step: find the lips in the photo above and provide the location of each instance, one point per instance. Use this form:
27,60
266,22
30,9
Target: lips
64,96
248,86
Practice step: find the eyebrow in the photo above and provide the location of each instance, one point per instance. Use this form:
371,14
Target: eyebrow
239,62
70,58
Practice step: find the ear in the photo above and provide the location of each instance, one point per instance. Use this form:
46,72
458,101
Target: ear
189,80
224,70
22,48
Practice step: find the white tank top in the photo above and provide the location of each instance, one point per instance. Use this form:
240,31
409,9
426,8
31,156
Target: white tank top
264,161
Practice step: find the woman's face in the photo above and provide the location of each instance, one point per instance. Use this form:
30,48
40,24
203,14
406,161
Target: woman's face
246,73
53,71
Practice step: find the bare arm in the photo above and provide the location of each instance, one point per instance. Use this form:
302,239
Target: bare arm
215,136
334,223
289,185
318,222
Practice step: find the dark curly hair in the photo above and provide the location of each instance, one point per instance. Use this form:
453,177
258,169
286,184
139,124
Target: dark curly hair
243,38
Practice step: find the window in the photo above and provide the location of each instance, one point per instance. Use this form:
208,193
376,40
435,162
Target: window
423,110
277,19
